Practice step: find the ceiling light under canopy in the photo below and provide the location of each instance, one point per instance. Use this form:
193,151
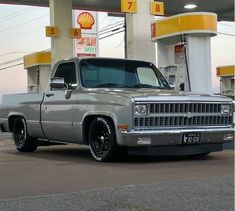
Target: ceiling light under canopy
190,6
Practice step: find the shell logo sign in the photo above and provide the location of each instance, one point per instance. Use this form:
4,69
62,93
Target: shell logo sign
86,20
88,44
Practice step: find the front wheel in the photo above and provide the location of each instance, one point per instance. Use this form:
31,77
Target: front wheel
102,140
23,142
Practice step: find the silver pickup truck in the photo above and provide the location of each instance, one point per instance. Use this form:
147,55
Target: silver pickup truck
114,105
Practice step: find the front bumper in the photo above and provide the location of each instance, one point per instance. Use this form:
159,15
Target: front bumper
178,150
174,137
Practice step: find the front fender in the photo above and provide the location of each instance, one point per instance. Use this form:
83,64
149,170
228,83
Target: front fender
105,114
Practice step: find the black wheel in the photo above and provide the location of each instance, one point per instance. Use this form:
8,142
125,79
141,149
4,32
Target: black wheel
23,142
102,140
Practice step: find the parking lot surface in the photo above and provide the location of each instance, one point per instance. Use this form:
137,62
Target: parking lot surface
67,178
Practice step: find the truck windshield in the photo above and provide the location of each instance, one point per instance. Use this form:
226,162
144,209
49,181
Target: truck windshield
115,73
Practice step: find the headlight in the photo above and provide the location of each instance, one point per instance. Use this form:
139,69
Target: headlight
140,110
225,109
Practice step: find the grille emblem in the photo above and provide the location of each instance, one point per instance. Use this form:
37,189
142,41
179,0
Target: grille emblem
188,115
225,109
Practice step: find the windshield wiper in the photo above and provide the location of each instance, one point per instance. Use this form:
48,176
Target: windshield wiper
107,85
110,85
144,86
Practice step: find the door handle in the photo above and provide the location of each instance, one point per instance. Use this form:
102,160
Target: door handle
49,95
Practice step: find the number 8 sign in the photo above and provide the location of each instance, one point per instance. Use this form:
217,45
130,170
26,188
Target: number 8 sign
129,6
157,8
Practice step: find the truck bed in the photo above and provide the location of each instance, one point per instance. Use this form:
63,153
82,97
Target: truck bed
27,105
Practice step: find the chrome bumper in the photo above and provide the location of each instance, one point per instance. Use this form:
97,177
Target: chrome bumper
174,137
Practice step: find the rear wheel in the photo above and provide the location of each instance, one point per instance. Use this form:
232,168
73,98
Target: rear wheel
23,142
102,140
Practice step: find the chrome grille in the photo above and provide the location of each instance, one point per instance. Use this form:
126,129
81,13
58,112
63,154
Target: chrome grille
180,115
184,108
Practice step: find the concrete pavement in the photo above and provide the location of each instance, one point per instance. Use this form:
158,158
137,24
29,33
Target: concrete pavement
67,178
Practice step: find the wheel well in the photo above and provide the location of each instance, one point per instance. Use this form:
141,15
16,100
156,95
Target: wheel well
87,122
11,120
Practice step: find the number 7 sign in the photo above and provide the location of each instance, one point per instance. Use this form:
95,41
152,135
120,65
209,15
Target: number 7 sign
129,6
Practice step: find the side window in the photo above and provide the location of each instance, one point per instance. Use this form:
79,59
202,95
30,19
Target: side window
68,72
147,76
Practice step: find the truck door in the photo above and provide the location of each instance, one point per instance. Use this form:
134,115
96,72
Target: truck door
57,115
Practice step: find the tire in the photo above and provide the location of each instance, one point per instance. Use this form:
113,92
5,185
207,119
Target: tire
203,154
23,142
102,140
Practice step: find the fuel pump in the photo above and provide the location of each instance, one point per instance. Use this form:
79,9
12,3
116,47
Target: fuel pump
38,66
184,51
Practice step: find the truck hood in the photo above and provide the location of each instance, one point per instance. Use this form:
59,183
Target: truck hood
150,95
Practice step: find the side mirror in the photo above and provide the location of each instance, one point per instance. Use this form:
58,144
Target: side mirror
57,83
182,87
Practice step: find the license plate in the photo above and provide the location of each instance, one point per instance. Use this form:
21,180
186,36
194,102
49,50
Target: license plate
191,138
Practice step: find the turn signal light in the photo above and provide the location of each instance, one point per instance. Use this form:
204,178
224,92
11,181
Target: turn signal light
228,137
122,127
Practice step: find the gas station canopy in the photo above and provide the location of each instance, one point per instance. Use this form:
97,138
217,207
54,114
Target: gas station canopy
224,9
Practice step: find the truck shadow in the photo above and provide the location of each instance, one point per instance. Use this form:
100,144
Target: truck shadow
82,155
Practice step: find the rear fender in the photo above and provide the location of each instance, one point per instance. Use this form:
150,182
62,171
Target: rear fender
11,118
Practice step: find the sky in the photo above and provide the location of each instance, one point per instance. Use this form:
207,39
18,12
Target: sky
22,32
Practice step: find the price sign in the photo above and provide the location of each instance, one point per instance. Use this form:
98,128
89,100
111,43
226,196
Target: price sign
157,8
75,33
52,31
129,6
